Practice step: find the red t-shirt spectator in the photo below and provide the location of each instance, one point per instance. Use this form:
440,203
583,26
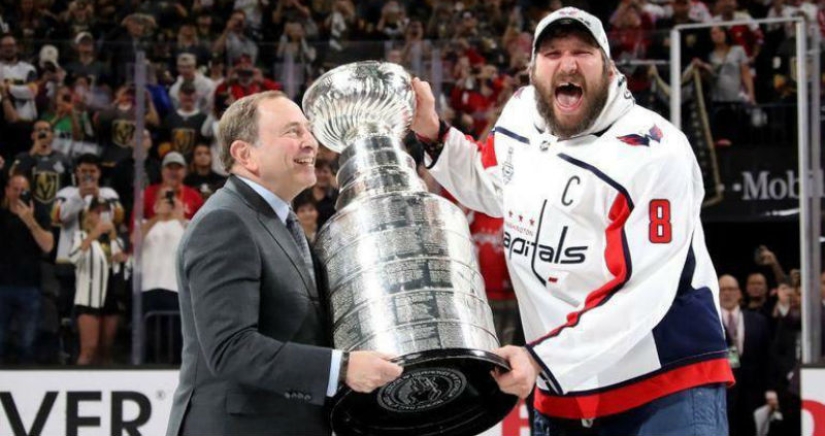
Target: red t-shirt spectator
191,199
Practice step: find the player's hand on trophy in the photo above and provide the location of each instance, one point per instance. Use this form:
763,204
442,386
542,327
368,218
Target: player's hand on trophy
425,122
521,378
369,370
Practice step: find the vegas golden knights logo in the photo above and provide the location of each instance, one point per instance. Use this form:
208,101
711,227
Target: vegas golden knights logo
122,133
46,184
183,140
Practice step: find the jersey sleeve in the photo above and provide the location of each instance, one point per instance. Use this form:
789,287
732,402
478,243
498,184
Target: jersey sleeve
649,233
469,171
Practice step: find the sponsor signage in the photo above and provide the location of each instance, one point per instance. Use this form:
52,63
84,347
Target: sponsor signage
813,401
86,402
759,184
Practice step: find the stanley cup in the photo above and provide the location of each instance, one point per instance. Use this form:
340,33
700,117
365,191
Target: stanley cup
403,276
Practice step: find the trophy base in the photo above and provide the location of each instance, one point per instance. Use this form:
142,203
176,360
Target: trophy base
441,392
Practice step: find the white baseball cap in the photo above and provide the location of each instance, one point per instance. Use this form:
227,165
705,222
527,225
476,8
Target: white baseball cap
173,157
48,53
570,15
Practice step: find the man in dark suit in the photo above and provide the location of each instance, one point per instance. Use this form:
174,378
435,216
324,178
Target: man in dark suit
256,356
748,336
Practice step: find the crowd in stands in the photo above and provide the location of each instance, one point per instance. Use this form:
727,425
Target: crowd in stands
71,230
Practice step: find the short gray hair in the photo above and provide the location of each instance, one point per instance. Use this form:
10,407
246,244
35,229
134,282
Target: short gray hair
240,122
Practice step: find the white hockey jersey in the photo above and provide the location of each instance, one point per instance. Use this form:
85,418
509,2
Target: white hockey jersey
617,292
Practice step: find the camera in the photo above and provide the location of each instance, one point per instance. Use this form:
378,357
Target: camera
26,197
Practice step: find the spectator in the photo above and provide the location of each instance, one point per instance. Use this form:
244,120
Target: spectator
780,9
86,63
393,21
217,70
782,416
188,42
775,418
79,17
296,57
305,208
244,80
47,170
467,26
72,125
416,51
748,338
630,37
33,20
162,231
767,258
439,25
205,32
731,78
342,25
70,204
51,77
324,192
10,115
749,36
695,43
124,43
188,73
116,125
20,79
286,11
786,346
91,96
182,128
123,177
495,15
172,174
235,40
756,288
99,255
25,240
201,176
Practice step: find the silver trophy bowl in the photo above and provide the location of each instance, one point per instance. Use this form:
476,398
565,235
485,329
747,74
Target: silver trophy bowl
403,274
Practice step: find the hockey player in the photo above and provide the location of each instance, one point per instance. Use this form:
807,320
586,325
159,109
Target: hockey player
601,201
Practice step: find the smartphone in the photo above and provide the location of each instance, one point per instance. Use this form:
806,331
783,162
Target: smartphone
26,197
170,197
757,256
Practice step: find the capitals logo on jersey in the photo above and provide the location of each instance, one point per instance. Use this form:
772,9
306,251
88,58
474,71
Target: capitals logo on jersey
634,139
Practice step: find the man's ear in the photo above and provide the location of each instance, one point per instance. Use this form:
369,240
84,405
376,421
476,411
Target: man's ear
242,152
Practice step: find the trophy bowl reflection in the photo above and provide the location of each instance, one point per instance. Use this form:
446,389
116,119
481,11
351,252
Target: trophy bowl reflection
403,275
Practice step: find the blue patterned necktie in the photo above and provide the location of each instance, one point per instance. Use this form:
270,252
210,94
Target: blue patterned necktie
294,227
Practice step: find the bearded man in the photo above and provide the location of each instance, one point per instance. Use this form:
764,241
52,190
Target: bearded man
600,199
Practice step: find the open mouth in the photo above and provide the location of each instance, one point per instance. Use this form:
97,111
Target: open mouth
569,95
306,161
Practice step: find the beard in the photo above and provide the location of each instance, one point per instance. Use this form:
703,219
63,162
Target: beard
591,107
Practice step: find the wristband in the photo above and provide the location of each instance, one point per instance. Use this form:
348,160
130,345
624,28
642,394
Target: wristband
433,147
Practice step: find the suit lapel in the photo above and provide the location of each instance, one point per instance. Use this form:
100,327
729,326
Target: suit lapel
274,227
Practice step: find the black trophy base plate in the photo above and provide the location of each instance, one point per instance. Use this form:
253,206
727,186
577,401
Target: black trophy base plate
441,392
